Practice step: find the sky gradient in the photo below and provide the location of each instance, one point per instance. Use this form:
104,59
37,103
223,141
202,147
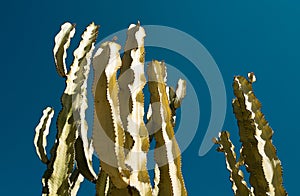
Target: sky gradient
257,36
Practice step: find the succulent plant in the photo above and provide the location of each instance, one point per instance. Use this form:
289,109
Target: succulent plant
257,152
122,134
121,137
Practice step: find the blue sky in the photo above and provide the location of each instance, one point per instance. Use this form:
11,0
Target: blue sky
259,36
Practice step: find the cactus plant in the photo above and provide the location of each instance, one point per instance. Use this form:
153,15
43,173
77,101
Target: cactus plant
257,152
121,137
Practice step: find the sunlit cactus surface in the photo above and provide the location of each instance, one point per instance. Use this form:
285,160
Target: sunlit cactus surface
257,152
121,135
123,130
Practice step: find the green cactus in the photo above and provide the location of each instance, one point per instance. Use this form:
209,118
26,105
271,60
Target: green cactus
120,138
61,178
257,153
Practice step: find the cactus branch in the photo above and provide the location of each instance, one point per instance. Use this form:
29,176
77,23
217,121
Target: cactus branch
121,138
75,180
108,133
257,151
265,177
167,153
56,177
62,43
239,185
41,132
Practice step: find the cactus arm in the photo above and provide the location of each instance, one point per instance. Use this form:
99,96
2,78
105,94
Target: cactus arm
126,78
108,133
249,149
256,137
180,93
102,184
175,98
156,180
239,185
75,180
136,158
56,177
83,148
167,152
41,132
62,43
84,160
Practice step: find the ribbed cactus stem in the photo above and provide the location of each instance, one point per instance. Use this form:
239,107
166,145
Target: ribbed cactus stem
136,158
62,43
75,180
56,179
257,151
108,133
121,138
239,185
41,132
167,152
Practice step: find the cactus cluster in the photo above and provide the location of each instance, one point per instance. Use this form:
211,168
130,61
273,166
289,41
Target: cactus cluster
257,152
121,135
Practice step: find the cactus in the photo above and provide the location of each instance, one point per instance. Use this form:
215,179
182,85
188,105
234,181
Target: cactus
61,177
257,152
121,137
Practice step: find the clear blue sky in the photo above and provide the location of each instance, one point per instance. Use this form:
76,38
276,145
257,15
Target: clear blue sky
259,36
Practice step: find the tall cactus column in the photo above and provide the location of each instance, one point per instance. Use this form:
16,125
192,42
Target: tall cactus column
257,153
167,152
121,138
60,178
